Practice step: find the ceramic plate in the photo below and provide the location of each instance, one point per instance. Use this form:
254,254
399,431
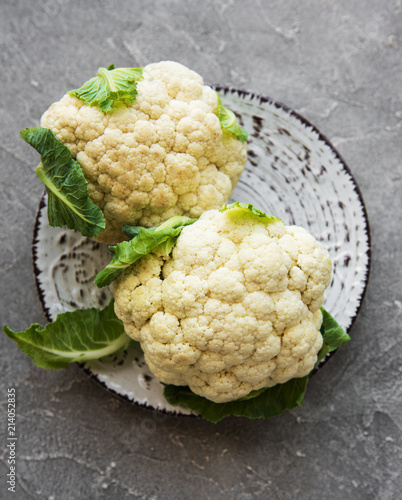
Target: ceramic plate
292,172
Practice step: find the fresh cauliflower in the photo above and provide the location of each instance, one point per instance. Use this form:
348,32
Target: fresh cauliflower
163,155
236,307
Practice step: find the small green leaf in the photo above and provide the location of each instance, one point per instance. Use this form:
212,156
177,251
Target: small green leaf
253,394
145,240
110,87
79,335
229,122
322,353
68,200
333,335
247,209
132,231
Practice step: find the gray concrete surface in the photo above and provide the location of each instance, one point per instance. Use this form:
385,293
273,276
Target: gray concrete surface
340,64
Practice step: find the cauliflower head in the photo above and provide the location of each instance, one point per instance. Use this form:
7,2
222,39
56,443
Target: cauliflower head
235,309
163,155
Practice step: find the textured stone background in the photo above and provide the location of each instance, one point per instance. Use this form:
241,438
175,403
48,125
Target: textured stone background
337,62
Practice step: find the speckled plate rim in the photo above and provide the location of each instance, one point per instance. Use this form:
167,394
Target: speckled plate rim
261,99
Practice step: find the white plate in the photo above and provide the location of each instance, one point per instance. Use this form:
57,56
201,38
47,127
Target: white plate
293,172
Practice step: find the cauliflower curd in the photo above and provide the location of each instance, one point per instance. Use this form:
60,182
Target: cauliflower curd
163,155
234,309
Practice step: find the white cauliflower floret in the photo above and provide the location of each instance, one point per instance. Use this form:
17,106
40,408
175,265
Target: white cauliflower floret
236,307
163,155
